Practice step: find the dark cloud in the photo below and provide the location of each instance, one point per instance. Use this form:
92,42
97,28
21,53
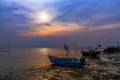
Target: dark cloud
103,21
11,21
82,10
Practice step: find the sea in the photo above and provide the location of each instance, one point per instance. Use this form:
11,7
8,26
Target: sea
27,58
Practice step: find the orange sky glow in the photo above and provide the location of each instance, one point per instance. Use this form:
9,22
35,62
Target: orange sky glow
54,29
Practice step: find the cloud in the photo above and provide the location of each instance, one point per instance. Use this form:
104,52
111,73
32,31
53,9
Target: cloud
78,21
50,13
104,27
53,29
32,4
64,14
29,8
102,19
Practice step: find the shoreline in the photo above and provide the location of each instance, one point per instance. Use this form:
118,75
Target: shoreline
93,70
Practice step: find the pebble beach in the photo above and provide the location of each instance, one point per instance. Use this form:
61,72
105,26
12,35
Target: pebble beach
95,69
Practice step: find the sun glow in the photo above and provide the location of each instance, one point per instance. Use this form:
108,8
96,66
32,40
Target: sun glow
42,17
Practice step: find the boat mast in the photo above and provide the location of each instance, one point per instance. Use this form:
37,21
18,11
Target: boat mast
76,51
67,50
118,45
8,50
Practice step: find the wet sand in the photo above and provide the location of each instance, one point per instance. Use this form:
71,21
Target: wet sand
93,70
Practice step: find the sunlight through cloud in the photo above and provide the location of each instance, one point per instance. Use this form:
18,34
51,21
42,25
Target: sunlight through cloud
44,16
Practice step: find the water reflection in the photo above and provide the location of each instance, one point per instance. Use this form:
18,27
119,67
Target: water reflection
44,50
30,58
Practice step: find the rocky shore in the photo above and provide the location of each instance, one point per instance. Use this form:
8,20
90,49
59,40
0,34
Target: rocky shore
94,69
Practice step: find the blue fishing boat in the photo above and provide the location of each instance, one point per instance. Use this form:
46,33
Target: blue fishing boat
67,61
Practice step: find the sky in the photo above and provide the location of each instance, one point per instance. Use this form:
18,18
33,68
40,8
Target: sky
51,23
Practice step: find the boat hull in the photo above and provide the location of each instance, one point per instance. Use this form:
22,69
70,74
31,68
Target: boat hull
66,61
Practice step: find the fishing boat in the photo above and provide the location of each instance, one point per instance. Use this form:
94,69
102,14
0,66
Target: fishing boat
67,61
91,53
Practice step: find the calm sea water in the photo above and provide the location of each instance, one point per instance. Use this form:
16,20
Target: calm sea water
27,58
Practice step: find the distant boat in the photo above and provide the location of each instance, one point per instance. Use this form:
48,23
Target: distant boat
91,53
95,52
67,61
